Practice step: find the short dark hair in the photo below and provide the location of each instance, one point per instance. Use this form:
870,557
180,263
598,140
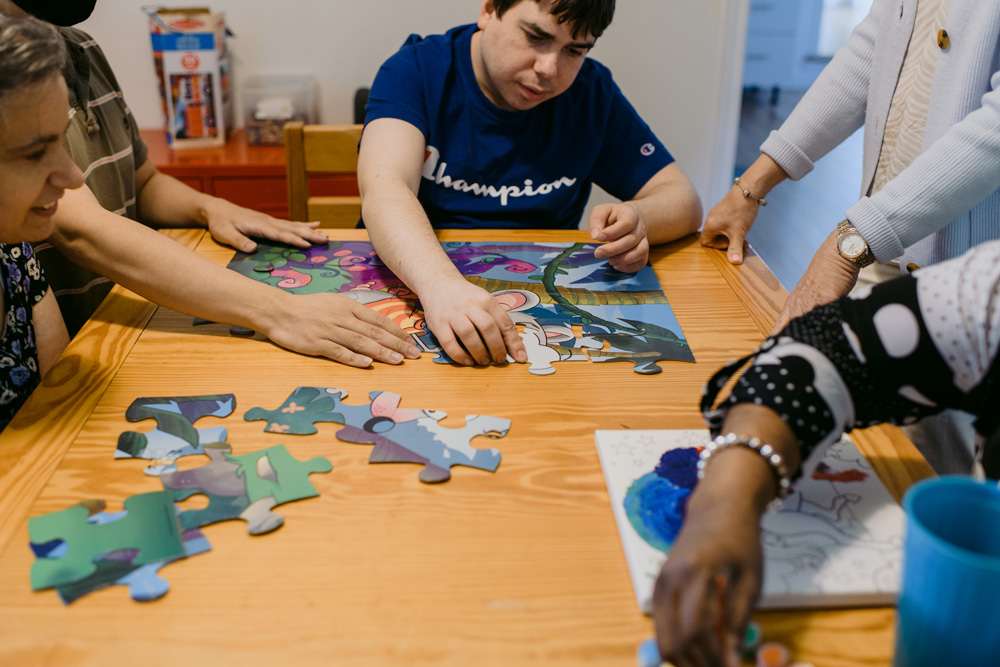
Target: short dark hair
30,51
585,17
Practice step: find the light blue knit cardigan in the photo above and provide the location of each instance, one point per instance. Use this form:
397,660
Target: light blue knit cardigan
948,199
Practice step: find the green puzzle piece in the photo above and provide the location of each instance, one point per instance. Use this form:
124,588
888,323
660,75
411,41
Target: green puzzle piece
274,472
297,414
150,525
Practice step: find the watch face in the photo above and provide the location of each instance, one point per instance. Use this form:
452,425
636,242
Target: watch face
851,245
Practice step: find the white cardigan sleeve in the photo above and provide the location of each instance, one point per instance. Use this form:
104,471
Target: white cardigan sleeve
833,107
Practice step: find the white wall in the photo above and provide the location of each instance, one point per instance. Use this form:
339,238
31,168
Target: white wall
678,61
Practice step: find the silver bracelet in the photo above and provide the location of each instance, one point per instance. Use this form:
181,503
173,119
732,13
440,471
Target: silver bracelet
773,458
749,195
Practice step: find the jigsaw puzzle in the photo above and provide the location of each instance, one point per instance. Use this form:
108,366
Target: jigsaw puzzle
175,435
567,286
400,435
148,525
117,568
244,487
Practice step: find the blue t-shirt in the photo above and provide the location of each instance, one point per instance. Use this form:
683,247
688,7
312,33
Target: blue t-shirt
487,167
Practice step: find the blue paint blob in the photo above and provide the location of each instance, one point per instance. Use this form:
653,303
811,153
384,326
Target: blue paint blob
655,504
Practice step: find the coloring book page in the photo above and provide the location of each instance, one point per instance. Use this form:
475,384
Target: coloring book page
836,541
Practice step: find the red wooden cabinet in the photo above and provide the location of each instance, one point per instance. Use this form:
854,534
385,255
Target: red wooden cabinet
251,176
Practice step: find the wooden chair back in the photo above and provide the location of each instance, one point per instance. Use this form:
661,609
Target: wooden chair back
311,149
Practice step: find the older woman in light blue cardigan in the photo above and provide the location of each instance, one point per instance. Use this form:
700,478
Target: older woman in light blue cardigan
947,200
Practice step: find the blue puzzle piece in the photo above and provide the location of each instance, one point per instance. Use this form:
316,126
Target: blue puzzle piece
415,436
175,435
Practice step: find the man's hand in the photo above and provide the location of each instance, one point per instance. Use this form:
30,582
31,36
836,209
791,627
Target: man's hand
470,325
621,229
728,224
707,587
828,277
234,225
340,328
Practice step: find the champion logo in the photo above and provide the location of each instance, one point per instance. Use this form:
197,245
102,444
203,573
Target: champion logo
647,149
435,168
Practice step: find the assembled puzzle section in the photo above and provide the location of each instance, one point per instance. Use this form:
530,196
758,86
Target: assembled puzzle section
547,289
400,435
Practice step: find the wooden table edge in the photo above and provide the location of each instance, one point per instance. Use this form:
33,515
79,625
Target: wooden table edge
36,440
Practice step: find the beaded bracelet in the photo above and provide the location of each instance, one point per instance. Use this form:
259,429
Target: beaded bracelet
749,195
773,458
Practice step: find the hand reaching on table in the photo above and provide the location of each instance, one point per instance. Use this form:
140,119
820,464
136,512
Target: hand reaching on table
622,231
470,324
235,225
709,583
728,223
828,277
337,327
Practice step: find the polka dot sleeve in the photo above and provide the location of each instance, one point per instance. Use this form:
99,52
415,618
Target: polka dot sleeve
849,364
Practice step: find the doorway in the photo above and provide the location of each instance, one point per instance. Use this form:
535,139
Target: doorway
789,42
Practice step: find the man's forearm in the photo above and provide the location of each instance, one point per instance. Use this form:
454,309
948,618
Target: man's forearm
164,201
403,236
669,206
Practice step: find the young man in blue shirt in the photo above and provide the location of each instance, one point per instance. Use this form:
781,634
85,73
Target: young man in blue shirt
506,124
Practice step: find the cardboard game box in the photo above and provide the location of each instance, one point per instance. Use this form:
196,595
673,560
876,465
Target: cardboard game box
193,68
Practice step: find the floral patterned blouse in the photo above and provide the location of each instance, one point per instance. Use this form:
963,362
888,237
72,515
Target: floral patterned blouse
23,286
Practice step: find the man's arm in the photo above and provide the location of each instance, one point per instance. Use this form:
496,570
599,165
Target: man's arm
667,207
467,321
329,325
163,201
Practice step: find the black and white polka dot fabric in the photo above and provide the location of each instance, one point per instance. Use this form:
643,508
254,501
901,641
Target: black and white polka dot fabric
901,351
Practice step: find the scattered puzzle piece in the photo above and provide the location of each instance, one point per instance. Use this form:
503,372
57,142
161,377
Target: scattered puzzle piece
175,435
305,406
117,569
421,439
150,525
244,487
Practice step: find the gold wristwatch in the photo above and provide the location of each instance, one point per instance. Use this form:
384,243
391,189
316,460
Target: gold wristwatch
852,246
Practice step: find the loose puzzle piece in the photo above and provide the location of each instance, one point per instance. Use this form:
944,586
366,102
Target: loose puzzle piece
175,435
415,436
305,406
150,525
117,568
244,487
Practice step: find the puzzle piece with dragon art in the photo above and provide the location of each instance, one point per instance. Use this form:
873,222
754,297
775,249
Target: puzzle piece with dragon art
303,408
175,435
117,569
244,487
149,525
640,334
415,436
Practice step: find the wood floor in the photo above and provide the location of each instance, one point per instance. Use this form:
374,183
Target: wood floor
799,214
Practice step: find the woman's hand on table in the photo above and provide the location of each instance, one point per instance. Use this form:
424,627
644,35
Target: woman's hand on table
339,328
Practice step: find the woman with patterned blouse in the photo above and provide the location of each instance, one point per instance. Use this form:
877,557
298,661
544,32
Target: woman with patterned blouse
898,352
34,173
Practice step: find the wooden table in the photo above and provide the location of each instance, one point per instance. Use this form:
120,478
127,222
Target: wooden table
520,567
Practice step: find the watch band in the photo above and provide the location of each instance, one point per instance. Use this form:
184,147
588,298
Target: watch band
865,258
